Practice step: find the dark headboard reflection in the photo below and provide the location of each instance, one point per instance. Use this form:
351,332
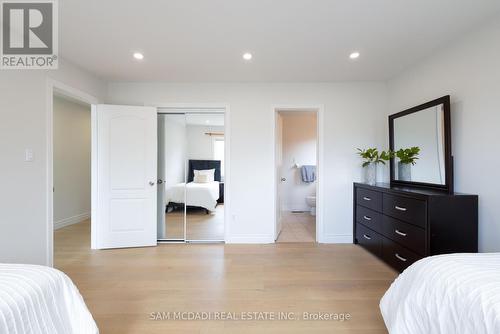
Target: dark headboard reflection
201,165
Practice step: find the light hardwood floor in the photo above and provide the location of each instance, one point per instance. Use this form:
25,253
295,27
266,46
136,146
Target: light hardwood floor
122,287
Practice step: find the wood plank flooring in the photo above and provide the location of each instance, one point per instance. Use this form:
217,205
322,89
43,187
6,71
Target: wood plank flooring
123,287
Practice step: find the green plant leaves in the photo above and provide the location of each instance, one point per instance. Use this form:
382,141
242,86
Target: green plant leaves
372,155
408,155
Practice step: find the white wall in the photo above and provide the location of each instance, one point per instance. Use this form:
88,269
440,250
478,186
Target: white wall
72,149
355,114
422,129
23,191
175,149
199,145
468,70
299,146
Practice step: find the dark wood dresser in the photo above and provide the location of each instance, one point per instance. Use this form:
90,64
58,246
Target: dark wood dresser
402,225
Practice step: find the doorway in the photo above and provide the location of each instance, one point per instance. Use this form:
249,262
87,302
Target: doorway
71,124
296,167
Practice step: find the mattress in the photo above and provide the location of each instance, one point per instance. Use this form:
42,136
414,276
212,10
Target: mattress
204,195
456,293
37,299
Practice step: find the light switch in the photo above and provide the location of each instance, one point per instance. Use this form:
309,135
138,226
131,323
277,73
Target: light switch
28,155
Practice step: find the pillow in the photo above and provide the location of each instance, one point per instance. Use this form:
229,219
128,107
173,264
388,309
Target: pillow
203,178
210,173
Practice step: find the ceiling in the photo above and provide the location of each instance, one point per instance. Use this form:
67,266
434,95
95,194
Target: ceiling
291,40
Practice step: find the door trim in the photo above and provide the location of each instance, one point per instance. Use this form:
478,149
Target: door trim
52,87
319,109
209,108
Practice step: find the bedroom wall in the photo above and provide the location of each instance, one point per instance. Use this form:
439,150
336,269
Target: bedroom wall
299,145
72,148
199,145
355,115
427,138
23,194
175,149
469,71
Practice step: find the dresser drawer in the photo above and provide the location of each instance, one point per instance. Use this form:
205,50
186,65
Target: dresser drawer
369,218
369,239
369,199
407,209
398,256
410,236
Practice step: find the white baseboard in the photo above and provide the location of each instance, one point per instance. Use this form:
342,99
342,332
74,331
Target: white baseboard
251,239
336,239
71,220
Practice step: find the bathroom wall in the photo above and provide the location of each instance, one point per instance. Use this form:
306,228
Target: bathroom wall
299,146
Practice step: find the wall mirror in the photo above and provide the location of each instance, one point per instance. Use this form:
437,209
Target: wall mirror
427,127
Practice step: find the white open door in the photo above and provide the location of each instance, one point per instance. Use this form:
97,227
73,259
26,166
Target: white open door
124,176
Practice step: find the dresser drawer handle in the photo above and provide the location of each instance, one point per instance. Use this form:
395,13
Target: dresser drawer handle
367,237
401,258
367,218
400,208
400,233
367,198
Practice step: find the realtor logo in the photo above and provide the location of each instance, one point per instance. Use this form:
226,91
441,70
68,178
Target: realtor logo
29,35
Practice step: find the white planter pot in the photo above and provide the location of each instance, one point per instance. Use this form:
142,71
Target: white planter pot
371,174
404,172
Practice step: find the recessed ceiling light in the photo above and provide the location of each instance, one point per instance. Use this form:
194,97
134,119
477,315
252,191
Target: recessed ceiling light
247,56
207,121
138,56
354,55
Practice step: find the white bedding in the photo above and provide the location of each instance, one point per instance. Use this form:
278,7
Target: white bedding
37,299
456,293
204,195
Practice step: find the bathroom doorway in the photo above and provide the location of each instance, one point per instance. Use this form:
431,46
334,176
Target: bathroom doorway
296,168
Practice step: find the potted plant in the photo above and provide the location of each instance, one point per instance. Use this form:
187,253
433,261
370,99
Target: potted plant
407,157
372,158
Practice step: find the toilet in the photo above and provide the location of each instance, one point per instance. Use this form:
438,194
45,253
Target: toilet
311,202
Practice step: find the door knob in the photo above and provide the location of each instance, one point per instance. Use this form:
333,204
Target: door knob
151,183
160,181
283,179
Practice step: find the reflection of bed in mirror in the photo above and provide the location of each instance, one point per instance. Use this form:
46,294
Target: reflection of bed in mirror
196,194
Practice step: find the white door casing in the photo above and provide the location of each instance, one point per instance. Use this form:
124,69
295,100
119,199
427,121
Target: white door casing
279,174
125,175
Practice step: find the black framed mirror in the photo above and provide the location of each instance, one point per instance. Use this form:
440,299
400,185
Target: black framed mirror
426,127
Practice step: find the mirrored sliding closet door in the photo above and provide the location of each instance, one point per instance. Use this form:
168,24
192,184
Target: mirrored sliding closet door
205,177
171,177
191,150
